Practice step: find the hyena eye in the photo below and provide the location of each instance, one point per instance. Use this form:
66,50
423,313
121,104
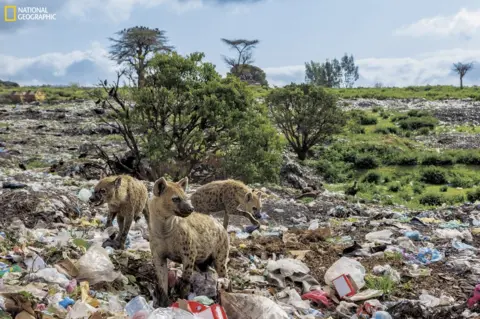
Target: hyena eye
176,199
254,208
102,191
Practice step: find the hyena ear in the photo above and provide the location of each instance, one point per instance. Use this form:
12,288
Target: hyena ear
259,194
248,197
160,186
117,182
183,183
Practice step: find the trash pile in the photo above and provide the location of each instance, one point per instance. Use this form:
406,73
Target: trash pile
322,258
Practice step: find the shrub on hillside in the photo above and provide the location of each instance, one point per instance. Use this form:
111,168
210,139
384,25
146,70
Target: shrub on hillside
433,175
418,113
467,157
437,159
386,129
357,129
462,182
415,123
444,189
394,188
406,160
368,120
366,161
418,188
372,178
474,195
431,200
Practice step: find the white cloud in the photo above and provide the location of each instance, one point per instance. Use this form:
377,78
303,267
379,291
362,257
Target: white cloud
428,68
86,67
463,23
120,10
56,67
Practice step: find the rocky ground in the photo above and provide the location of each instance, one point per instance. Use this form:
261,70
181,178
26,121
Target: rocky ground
410,264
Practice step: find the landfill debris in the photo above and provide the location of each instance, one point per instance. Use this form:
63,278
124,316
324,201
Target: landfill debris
399,262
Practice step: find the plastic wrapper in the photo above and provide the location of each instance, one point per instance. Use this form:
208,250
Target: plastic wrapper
95,266
346,266
246,306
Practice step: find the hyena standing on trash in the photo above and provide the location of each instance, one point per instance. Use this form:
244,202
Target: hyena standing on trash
126,198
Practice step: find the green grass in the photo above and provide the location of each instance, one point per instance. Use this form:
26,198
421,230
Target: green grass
424,92
391,168
382,283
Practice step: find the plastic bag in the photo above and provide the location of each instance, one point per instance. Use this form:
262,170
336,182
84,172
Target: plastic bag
428,255
246,306
288,266
49,275
95,266
382,236
317,296
346,266
170,313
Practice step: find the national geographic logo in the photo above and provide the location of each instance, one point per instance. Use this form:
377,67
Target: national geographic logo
14,13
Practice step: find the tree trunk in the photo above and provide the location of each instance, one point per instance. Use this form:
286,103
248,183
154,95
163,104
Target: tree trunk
302,154
461,82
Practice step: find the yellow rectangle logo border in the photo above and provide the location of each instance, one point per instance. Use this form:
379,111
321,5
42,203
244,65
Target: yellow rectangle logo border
5,13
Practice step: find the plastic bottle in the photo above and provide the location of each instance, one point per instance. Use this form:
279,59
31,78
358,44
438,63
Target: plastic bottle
382,315
136,305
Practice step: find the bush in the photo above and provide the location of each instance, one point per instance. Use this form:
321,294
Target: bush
455,199
437,159
394,187
444,188
368,120
431,200
433,175
357,129
372,178
474,195
418,188
424,131
462,182
336,172
366,161
415,123
468,158
386,130
407,160
418,113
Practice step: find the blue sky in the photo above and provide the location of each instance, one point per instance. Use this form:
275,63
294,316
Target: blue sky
397,43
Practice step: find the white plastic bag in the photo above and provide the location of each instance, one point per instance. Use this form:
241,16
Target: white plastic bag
170,313
49,275
346,266
95,266
382,236
288,266
247,306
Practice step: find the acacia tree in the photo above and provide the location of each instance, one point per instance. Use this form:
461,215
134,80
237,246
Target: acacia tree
241,65
306,114
462,69
134,46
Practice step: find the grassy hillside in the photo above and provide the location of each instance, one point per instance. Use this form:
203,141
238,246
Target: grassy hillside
378,150
73,92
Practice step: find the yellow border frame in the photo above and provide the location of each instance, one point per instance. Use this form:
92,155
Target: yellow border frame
5,13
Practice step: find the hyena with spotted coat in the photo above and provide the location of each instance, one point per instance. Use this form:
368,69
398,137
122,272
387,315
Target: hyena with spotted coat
184,236
231,196
127,200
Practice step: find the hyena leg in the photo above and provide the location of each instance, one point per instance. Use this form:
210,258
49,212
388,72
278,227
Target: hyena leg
111,216
124,229
232,210
161,270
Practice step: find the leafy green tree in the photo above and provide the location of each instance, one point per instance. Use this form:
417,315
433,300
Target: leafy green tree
241,65
332,74
306,114
350,70
328,74
187,112
134,46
